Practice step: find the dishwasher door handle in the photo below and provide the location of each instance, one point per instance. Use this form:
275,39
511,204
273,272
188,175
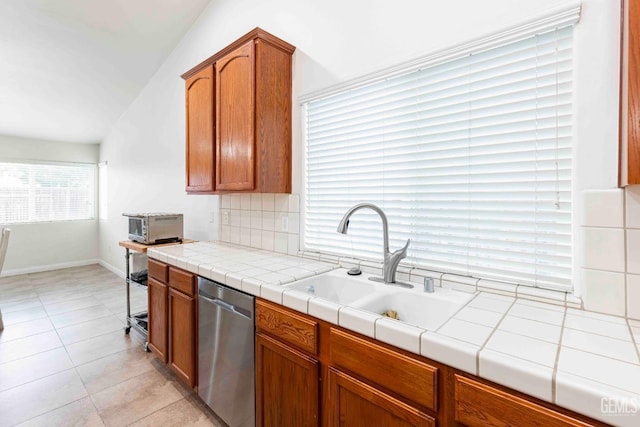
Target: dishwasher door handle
230,307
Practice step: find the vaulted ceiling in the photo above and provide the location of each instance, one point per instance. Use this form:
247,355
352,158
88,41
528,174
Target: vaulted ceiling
70,68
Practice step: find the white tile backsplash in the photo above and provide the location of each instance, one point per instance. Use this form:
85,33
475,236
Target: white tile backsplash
256,220
281,203
603,291
268,221
268,202
603,208
607,253
633,296
632,205
603,248
610,235
633,251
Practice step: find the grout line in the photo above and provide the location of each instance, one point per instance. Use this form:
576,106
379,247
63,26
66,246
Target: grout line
633,340
473,297
624,240
491,335
557,360
55,409
597,333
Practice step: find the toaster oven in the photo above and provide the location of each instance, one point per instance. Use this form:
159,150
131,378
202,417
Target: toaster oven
154,228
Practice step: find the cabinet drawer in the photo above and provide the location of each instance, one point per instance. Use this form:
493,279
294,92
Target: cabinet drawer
287,326
182,281
404,375
477,404
158,270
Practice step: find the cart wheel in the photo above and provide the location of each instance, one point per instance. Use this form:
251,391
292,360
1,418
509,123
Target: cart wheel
146,347
127,329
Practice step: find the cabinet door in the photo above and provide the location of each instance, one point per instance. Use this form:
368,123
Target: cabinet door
478,405
157,304
235,115
182,336
287,384
632,153
354,403
199,124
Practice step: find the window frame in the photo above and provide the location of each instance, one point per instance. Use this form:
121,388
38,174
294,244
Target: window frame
570,15
94,184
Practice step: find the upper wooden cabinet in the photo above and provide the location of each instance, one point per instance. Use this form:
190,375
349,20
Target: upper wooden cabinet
238,123
235,120
200,149
630,99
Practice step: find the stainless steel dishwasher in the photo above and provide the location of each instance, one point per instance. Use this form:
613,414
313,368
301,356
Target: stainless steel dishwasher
226,357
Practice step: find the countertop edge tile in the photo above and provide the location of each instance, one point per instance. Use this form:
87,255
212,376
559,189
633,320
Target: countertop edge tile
324,309
271,292
593,399
399,334
450,351
519,374
360,321
296,300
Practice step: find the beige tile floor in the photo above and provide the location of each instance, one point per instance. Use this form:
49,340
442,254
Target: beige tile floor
65,360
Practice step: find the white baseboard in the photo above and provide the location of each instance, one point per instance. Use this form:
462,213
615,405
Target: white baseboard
112,269
41,268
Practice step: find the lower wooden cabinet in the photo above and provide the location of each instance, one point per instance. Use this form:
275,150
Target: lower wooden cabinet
182,340
478,405
173,328
309,373
307,368
157,293
355,403
287,385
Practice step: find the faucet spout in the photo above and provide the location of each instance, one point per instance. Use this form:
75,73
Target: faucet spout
391,260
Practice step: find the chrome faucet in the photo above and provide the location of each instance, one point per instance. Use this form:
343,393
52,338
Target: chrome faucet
391,260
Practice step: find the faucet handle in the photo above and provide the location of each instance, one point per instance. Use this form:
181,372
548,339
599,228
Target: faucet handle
402,252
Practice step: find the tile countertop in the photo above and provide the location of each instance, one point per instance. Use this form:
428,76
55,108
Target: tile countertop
584,361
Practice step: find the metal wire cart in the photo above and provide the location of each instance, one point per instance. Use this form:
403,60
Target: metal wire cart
137,321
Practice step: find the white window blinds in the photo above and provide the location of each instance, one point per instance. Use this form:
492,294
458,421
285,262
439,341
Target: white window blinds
469,158
46,192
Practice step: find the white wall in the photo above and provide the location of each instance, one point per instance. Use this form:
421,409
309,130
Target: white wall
336,41
49,245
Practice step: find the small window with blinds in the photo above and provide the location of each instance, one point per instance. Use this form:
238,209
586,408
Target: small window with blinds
41,192
470,158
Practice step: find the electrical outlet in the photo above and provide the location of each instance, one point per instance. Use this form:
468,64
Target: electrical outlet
225,218
285,223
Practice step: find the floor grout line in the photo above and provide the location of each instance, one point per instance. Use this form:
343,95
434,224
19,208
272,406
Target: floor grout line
65,346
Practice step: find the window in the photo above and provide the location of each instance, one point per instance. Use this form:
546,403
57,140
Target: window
46,192
470,158
103,178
